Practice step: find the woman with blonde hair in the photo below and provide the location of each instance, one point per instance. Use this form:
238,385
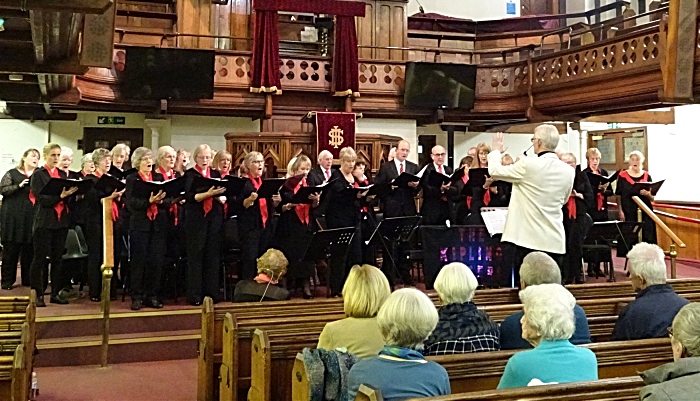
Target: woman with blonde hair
628,209
182,159
255,215
481,195
204,219
16,215
272,265
364,292
295,226
222,163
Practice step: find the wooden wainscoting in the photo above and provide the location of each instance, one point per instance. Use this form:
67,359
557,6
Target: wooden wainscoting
687,231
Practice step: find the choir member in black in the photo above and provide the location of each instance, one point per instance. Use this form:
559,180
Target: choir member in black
50,226
577,222
255,217
120,216
368,221
148,233
204,217
344,211
222,163
599,211
182,159
501,190
399,202
461,201
437,201
175,254
271,267
94,225
295,228
481,195
628,211
16,215
317,176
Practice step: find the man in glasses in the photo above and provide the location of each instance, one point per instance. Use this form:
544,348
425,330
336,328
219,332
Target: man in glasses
436,200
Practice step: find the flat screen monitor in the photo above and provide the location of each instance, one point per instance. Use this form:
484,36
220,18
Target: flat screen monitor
161,73
440,86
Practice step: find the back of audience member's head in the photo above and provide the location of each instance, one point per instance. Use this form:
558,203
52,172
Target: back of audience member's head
273,264
455,284
365,291
539,268
685,339
407,318
646,261
549,311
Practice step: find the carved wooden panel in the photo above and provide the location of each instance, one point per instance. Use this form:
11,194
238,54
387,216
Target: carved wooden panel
385,24
501,79
379,77
306,74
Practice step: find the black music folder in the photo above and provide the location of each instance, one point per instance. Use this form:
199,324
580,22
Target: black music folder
108,184
302,195
652,187
202,184
477,179
270,187
173,188
597,180
292,182
436,179
56,185
234,185
405,178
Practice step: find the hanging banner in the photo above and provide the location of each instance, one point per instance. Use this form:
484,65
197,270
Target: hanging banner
334,131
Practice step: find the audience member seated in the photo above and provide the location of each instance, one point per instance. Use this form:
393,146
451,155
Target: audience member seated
548,324
271,267
364,292
540,268
656,304
400,371
462,327
680,379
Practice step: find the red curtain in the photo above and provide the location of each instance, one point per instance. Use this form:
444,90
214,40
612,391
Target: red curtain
345,75
265,64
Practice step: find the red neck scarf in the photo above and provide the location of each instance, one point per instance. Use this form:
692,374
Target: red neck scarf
60,206
357,185
167,175
465,178
487,197
571,207
599,197
302,211
115,206
152,211
262,202
207,203
32,198
624,174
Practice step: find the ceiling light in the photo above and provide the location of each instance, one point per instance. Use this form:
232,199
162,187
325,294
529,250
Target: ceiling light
16,77
2,24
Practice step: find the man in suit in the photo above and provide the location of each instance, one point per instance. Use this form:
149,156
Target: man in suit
541,187
399,202
436,200
319,175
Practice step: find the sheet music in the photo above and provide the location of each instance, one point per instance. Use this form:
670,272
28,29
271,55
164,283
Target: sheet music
495,219
420,173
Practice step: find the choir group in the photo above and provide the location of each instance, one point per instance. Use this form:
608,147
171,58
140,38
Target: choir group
165,213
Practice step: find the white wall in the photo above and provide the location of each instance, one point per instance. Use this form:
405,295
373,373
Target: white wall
16,136
469,9
405,129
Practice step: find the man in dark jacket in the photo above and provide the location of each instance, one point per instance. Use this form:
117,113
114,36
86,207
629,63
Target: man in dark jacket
656,304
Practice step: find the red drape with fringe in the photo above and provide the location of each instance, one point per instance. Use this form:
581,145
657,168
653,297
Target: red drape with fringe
265,63
345,76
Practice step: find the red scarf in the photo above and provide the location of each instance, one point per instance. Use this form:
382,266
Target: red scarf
599,197
60,206
173,208
357,185
571,207
624,174
207,203
302,210
32,198
468,199
487,197
262,202
152,211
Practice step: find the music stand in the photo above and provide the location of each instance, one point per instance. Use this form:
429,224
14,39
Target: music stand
610,231
394,230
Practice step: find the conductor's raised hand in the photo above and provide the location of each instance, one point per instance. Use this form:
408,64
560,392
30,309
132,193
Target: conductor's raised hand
68,192
498,142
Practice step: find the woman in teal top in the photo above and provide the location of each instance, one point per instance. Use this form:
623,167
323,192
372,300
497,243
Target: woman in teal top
548,323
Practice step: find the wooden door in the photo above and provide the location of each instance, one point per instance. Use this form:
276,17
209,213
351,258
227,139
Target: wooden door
538,7
425,148
107,138
615,146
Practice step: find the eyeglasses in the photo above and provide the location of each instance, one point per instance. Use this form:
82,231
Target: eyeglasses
439,154
670,331
257,161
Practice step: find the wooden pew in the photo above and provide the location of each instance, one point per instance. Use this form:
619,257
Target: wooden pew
16,366
476,376
211,341
617,389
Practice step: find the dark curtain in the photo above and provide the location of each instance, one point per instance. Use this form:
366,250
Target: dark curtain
345,74
265,65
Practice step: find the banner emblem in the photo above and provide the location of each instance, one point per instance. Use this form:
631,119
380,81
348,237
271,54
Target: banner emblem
336,137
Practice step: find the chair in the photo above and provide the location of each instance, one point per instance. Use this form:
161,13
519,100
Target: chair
76,252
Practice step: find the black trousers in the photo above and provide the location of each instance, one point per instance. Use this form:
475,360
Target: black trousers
147,259
204,260
254,242
576,231
342,262
515,254
13,253
48,243
94,239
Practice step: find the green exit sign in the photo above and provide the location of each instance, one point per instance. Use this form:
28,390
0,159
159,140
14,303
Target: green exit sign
614,125
106,120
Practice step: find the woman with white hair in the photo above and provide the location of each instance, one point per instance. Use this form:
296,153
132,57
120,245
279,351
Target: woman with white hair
87,166
364,292
400,371
680,379
462,327
628,211
548,323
